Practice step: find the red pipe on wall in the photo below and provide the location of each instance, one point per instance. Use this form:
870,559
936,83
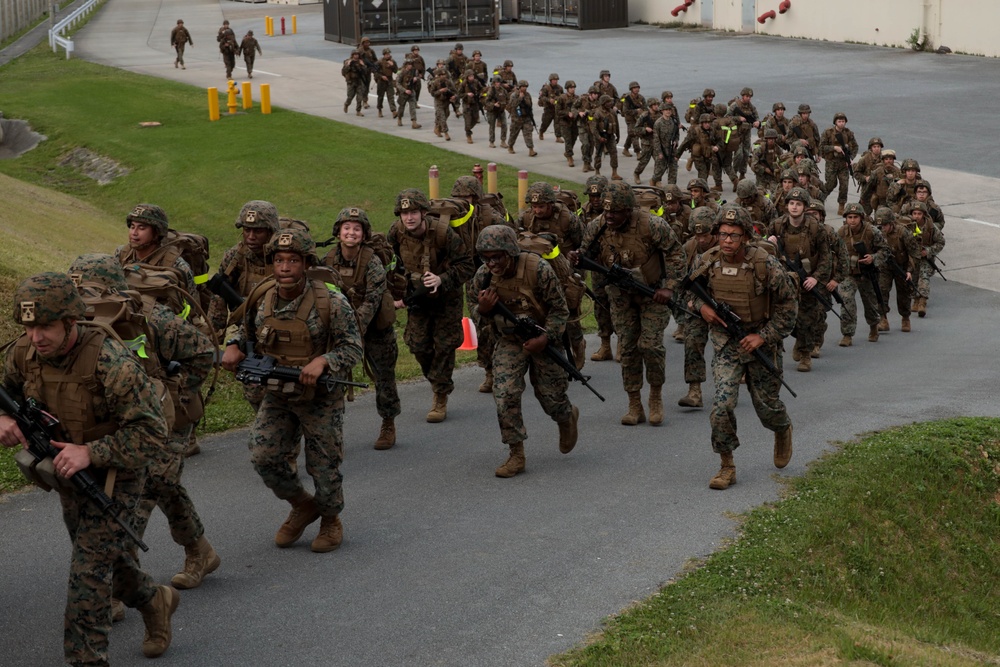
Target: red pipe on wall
784,6
765,16
681,8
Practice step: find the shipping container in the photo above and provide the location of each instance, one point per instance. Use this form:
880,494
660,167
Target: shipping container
579,14
347,21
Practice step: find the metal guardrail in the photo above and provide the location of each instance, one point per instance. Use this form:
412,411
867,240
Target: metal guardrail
56,39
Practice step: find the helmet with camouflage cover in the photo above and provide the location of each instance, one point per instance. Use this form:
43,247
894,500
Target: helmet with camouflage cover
353,214
840,115
798,194
570,84
293,240
708,92
747,91
854,208
409,199
789,175
888,153
476,52
921,183
701,221
667,95
593,90
459,47
805,108
720,110
705,118
98,268
672,193
800,150
386,51
777,105
540,192
523,83
508,63
633,84
285,222
698,183
605,100
746,189
803,169
618,197
604,73
875,141
770,133
467,186
553,77
736,216
468,73
497,79
918,206
884,216
498,238
149,214
596,185
46,298
817,207
258,214
910,163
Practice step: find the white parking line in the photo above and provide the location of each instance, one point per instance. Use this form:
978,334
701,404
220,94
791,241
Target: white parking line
982,222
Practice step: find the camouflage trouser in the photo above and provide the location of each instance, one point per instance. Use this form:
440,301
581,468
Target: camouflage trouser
695,340
766,181
586,145
904,296
381,352
248,60
355,91
273,448
517,125
569,132
645,153
602,306
230,61
433,336
669,165
441,111
809,323
741,158
850,286
470,114
836,174
631,137
179,48
494,118
486,335
404,101
924,274
708,168
729,365
640,329
548,116
103,559
727,166
548,379
608,147
385,90
418,85
164,490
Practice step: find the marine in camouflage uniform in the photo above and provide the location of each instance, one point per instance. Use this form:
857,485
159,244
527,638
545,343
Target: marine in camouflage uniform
931,240
644,244
479,68
354,72
676,209
547,97
250,47
229,48
775,121
586,105
856,229
289,325
363,282
591,210
173,340
765,297
841,262
701,195
146,248
443,89
664,149
567,129
904,250
370,61
905,188
802,238
760,208
632,104
419,68
839,147
408,83
469,91
695,329
744,111
864,169
603,127
705,143
116,426
519,107
882,179
786,183
645,121
436,264
387,69
803,128
179,38
934,212
706,105
528,286
495,99
766,159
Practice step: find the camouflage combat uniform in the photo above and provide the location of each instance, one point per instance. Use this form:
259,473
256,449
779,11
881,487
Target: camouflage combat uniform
564,108
387,69
444,92
469,92
704,144
603,131
585,107
408,84
803,128
229,48
836,161
250,47
695,329
547,97
354,72
664,149
855,281
521,119
590,211
495,100
632,105
904,249
179,38
931,241
642,136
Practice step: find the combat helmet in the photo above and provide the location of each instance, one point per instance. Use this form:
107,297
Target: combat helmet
605,100
699,183
875,141
705,118
467,186
789,175
570,84
596,185
884,215
777,105
149,214
840,115
353,214
746,91
618,196
746,189
523,83
708,92
770,133
909,163
817,207
918,206
540,192
46,298
498,238
409,199
594,89
805,108
702,220
633,84
98,268
553,77
292,240
921,183
854,208
258,214
798,194
737,216
605,72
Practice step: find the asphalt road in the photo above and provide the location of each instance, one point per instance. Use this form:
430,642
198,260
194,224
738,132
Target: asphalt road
444,564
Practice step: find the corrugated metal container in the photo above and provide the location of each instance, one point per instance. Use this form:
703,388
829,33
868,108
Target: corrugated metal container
580,14
347,21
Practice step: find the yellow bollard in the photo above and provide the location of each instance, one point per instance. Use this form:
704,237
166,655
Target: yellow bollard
247,95
491,178
295,24
213,104
434,182
231,101
268,26
265,98
522,188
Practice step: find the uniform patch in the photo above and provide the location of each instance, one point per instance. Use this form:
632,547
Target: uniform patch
27,311
284,240
251,216
730,271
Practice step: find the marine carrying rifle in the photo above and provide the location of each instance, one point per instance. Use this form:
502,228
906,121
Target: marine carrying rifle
734,325
624,279
869,271
799,270
934,266
898,270
847,156
39,428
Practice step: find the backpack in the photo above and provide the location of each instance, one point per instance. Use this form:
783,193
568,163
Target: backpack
650,198
569,199
164,284
457,214
495,201
571,282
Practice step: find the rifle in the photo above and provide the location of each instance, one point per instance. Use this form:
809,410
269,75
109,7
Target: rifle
526,328
257,369
799,270
870,272
39,428
797,131
624,279
734,325
934,266
847,156
898,270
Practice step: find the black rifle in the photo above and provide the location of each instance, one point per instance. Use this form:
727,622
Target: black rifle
798,269
871,273
901,273
525,110
734,325
934,266
847,156
39,428
797,131
257,369
526,328
221,287
624,279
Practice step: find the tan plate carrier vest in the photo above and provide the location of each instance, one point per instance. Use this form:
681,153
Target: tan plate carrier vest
633,249
800,241
743,287
518,293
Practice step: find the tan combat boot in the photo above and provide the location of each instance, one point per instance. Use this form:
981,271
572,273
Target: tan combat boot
783,447
559,140
532,153
568,432
569,162
587,167
117,610
416,125
386,435
379,113
655,405
873,334
487,386
726,476
796,354
515,462
604,351
503,143
358,113
637,177
614,175
439,410
846,341
447,137
805,364
840,208
510,149
200,561
883,324
905,328
580,354
693,398
437,131
541,137
331,534
816,353
635,414
626,153
493,144
921,307
304,512
156,616
468,138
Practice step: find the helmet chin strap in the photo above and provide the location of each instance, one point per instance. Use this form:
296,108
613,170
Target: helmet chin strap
143,246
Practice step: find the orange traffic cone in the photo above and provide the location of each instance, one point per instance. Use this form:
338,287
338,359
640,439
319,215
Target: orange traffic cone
471,340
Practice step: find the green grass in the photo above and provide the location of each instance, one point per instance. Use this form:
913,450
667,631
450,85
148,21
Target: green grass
886,553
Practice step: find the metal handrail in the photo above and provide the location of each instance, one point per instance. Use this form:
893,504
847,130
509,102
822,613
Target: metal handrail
69,21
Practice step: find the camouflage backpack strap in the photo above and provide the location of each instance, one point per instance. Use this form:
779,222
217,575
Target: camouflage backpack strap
708,258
